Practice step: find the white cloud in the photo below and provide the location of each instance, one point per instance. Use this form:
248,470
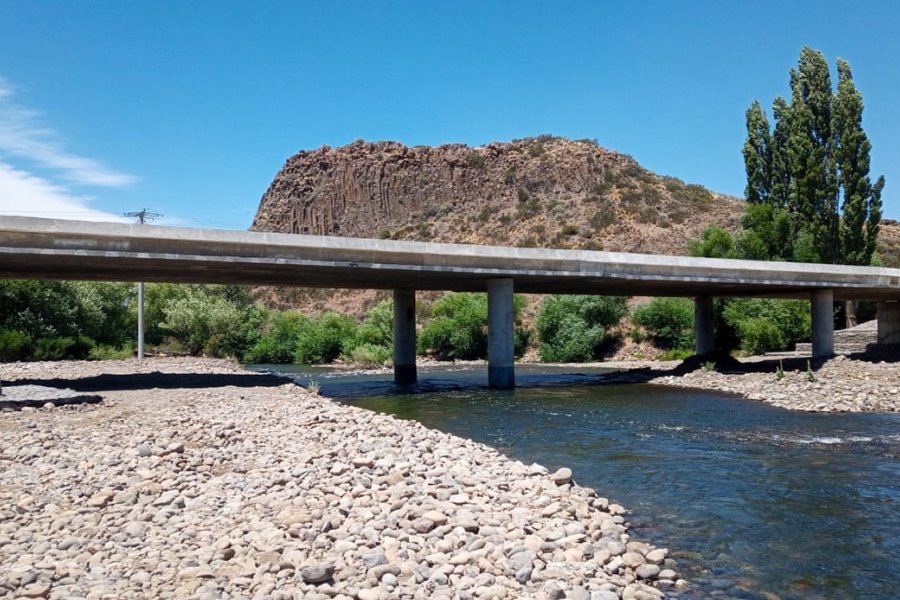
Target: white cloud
25,194
24,136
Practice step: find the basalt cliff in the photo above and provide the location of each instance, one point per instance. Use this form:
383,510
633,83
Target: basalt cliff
540,192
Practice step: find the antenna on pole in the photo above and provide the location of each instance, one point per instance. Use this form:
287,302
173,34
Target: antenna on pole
142,216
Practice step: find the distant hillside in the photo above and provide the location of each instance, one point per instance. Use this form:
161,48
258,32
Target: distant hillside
543,191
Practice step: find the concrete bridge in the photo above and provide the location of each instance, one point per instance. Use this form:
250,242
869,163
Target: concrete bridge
34,248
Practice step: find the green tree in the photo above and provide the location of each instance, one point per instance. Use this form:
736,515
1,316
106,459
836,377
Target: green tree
758,155
861,200
780,170
810,151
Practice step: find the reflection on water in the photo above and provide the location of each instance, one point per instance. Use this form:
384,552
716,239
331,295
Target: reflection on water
756,502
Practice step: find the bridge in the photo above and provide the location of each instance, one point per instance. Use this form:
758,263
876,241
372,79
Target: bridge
33,248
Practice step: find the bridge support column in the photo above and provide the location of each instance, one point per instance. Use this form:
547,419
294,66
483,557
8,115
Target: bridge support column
822,306
501,345
704,338
404,337
889,323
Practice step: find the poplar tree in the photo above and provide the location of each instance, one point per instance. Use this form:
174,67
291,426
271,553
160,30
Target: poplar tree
861,208
808,189
758,155
780,170
810,153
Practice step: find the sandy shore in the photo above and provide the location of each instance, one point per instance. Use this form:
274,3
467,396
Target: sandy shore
195,479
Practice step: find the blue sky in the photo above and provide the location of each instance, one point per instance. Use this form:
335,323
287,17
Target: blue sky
190,108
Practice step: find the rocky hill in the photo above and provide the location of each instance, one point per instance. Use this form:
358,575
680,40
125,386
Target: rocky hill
541,191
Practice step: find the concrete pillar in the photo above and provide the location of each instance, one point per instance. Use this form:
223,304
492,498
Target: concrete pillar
404,337
704,338
889,322
822,306
501,323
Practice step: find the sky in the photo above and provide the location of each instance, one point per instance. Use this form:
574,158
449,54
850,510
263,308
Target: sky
190,108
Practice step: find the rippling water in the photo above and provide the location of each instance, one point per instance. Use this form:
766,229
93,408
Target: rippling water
754,501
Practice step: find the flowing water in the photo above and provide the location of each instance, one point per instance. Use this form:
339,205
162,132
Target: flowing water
754,501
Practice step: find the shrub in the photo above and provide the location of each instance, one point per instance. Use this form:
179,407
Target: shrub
573,328
324,339
196,318
52,348
15,345
371,355
760,335
279,342
764,325
458,327
669,322
378,327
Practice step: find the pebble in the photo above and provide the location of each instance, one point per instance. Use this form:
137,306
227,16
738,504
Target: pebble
272,492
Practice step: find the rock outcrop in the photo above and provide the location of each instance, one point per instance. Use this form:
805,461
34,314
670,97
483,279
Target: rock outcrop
542,191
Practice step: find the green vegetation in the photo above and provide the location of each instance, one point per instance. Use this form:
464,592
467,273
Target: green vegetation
811,172
573,328
457,329
668,322
764,325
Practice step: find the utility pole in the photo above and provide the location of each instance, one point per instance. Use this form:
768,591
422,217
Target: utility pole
142,216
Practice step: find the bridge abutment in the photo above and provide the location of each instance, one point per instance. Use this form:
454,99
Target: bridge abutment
822,307
889,323
704,335
405,336
501,344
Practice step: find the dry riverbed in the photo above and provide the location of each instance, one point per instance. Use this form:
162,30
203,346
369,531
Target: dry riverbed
200,480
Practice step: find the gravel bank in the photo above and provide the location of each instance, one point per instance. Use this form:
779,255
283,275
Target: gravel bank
267,491
839,385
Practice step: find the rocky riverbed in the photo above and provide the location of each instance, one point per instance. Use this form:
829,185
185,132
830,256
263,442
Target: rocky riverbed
254,488
839,385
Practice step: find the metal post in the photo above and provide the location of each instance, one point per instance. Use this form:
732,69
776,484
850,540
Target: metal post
140,342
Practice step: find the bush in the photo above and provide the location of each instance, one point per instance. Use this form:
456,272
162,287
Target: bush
763,325
196,318
52,348
573,328
15,345
378,327
457,329
669,322
324,339
371,355
760,335
279,342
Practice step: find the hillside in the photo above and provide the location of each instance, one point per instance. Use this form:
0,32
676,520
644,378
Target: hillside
534,192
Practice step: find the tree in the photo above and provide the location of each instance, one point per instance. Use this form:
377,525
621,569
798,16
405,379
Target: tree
811,172
861,200
758,155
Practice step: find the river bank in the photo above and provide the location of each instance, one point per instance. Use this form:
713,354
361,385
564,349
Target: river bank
841,384
197,479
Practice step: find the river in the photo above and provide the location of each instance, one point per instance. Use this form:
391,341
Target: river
754,502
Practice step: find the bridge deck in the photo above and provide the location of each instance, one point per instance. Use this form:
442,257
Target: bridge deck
61,249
